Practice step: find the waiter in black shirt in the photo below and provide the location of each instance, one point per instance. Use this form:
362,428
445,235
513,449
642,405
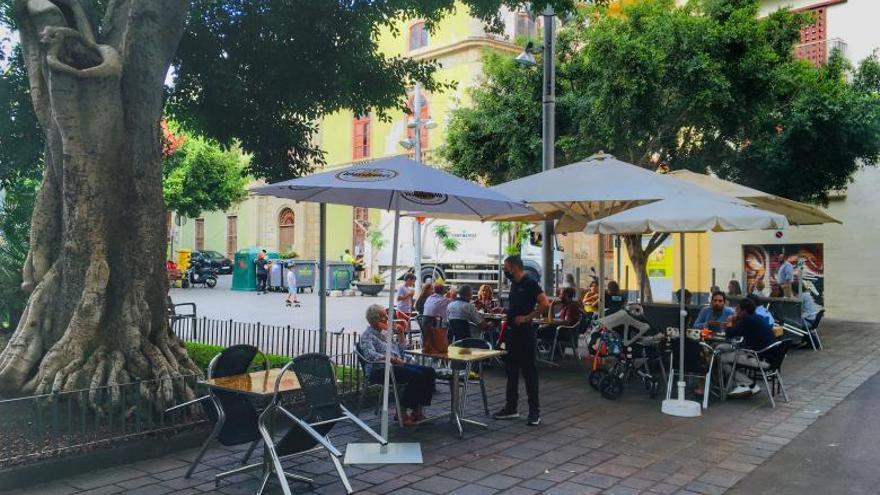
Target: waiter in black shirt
527,301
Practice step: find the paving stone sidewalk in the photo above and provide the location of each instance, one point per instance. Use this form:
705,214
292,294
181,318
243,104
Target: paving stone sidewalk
586,445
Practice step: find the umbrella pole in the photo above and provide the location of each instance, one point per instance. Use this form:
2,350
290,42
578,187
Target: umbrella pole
680,406
386,453
601,252
322,278
388,334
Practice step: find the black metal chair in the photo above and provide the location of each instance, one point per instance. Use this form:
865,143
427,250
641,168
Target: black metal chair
814,329
770,369
174,316
462,329
474,343
363,362
234,415
428,322
310,433
789,313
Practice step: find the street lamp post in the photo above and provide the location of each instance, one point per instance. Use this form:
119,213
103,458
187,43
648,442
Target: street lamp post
548,159
549,140
415,144
417,147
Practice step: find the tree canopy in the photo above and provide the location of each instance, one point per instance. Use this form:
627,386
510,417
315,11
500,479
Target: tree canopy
200,175
265,71
704,86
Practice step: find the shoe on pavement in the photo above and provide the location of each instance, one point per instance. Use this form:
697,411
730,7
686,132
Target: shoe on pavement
534,419
506,413
740,391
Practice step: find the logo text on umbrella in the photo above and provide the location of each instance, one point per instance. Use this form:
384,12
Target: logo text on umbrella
366,175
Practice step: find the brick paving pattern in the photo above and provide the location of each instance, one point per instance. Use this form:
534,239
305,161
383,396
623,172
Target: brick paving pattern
586,445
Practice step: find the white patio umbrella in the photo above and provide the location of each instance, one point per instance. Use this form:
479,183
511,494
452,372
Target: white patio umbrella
683,213
596,187
397,184
796,212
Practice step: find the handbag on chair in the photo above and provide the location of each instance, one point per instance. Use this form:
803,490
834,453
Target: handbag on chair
434,340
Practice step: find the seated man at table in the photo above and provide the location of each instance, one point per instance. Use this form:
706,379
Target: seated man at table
715,315
762,310
437,303
756,334
419,380
461,308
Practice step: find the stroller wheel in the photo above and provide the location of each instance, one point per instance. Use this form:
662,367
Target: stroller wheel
596,377
611,387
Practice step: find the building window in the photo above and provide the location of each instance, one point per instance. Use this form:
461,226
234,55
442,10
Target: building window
285,230
423,132
231,236
813,45
418,36
524,26
200,234
360,145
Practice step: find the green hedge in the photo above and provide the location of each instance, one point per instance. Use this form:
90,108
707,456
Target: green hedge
202,354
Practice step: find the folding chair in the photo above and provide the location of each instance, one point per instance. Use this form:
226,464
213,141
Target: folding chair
363,362
234,415
474,343
693,366
317,379
770,367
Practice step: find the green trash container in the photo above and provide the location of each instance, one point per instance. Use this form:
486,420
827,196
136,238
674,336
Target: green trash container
244,273
339,275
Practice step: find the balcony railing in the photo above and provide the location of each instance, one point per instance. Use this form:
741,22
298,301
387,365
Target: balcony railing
818,52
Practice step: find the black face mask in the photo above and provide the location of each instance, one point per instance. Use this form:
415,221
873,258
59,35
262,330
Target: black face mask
508,275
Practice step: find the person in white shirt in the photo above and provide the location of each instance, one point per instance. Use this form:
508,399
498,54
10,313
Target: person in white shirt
291,286
406,293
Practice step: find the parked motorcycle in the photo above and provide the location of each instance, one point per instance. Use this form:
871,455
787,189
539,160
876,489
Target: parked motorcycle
200,273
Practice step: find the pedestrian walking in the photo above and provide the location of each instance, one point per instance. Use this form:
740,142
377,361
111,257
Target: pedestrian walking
291,287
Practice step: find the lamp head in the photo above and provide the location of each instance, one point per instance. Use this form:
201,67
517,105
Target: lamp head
526,59
407,143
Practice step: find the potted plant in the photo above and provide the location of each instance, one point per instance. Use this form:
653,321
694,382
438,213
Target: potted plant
372,287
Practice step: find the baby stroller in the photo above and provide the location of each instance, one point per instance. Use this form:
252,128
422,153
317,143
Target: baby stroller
620,354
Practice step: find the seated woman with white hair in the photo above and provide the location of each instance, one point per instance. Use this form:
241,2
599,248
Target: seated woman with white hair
419,380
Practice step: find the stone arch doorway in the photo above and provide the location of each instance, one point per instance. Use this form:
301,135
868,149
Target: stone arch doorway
286,223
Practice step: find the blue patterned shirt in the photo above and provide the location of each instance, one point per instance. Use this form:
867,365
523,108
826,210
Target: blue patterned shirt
373,344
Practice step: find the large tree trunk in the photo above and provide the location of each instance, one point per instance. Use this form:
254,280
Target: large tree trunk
96,315
638,256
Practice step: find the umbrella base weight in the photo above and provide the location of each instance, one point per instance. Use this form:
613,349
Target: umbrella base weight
681,408
374,453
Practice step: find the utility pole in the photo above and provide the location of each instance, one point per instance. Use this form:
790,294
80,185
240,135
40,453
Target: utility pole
549,140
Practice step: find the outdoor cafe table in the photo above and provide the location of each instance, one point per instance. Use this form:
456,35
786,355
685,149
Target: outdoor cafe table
257,384
468,359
